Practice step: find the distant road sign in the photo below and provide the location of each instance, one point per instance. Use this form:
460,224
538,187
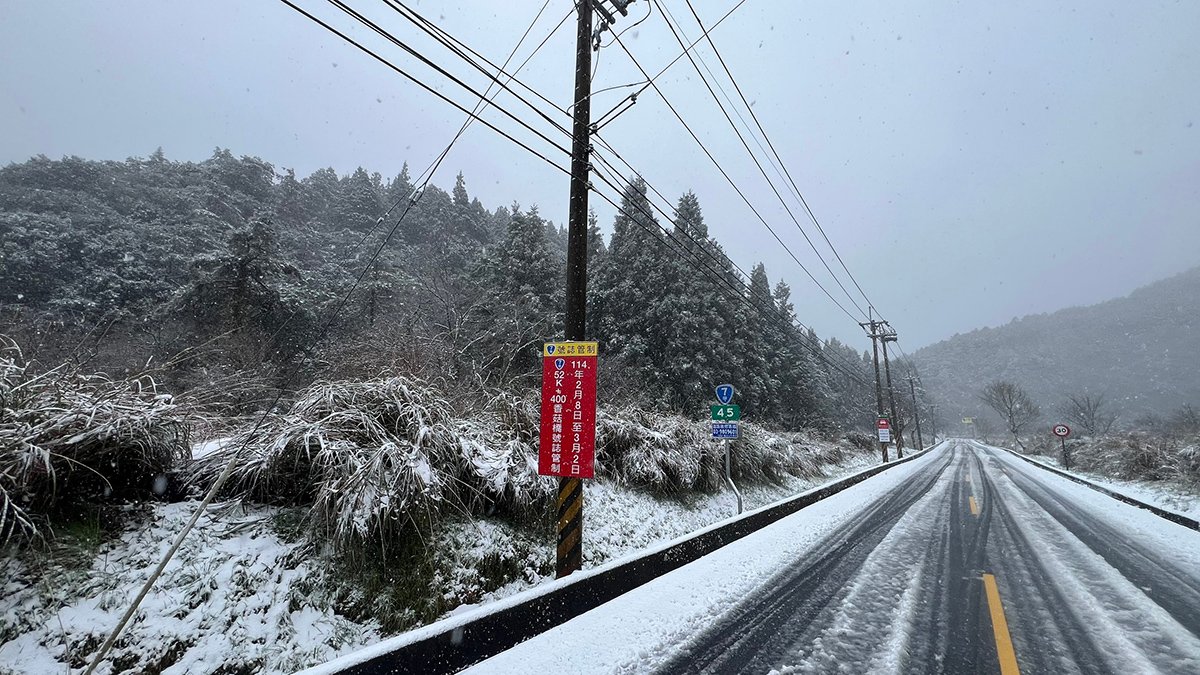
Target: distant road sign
725,413
884,428
1062,430
725,431
968,420
725,393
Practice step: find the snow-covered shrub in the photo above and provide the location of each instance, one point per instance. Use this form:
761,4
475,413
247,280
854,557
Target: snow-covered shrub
1139,456
670,454
1189,461
499,449
367,457
373,458
862,441
71,439
641,449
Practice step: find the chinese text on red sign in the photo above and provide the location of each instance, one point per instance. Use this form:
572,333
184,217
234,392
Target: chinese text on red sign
567,443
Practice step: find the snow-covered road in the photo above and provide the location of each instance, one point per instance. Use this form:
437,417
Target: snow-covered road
966,560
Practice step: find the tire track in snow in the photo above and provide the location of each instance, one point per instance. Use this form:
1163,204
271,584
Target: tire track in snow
872,626
1107,622
757,633
1169,587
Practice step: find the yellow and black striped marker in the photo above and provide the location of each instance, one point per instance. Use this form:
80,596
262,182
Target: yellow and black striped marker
570,527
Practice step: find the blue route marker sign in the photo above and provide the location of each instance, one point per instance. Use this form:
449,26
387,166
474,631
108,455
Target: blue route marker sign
725,393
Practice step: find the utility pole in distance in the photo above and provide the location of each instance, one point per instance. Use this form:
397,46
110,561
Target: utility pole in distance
933,420
872,327
890,336
912,388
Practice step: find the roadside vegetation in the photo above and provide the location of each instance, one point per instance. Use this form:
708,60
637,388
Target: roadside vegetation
1149,448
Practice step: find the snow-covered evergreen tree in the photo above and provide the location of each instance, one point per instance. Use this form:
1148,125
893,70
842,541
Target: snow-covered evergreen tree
357,205
632,288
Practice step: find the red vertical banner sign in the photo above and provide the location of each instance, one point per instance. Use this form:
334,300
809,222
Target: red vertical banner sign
567,442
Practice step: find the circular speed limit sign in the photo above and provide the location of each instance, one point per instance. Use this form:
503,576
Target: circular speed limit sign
1062,430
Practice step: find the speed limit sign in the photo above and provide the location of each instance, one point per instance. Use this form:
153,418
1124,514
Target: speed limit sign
1062,430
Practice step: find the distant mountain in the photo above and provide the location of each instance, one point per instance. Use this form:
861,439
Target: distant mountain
1142,351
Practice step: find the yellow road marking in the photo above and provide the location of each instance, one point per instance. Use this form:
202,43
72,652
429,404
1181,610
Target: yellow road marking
1004,647
974,505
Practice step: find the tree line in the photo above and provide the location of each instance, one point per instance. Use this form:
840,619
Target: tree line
228,271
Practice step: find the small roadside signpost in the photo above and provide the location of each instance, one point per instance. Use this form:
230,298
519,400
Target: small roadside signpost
1063,431
726,419
883,427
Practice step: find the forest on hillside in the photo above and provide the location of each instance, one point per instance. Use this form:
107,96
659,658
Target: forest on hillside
233,280
1136,352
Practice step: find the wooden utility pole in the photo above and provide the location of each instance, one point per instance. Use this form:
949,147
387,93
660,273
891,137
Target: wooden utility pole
570,490
872,328
933,420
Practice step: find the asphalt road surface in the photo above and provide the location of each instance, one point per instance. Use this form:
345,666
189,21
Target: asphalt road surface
980,563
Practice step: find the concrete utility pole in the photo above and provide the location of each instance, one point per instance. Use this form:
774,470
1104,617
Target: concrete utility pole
912,388
872,328
890,336
570,490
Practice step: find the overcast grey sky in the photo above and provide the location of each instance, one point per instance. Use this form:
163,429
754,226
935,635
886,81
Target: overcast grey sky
971,162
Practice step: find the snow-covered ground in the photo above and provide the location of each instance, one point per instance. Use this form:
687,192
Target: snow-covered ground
1125,611
640,630
1168,496
239,596
236,596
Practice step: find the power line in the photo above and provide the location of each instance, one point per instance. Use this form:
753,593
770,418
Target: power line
779,159
423,59
669,20
731,182
743,292
723,259
472,57
461,49
628,101
445,38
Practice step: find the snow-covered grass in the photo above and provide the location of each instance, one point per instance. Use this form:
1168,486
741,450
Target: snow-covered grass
369,508
376,461
72,440
1131,456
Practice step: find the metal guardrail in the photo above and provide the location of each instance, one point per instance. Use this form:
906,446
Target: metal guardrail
461,645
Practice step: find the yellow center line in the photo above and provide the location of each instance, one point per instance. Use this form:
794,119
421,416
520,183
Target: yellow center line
1004,647
974,505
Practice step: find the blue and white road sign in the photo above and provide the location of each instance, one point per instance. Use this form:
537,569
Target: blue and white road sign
725,393
725,431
